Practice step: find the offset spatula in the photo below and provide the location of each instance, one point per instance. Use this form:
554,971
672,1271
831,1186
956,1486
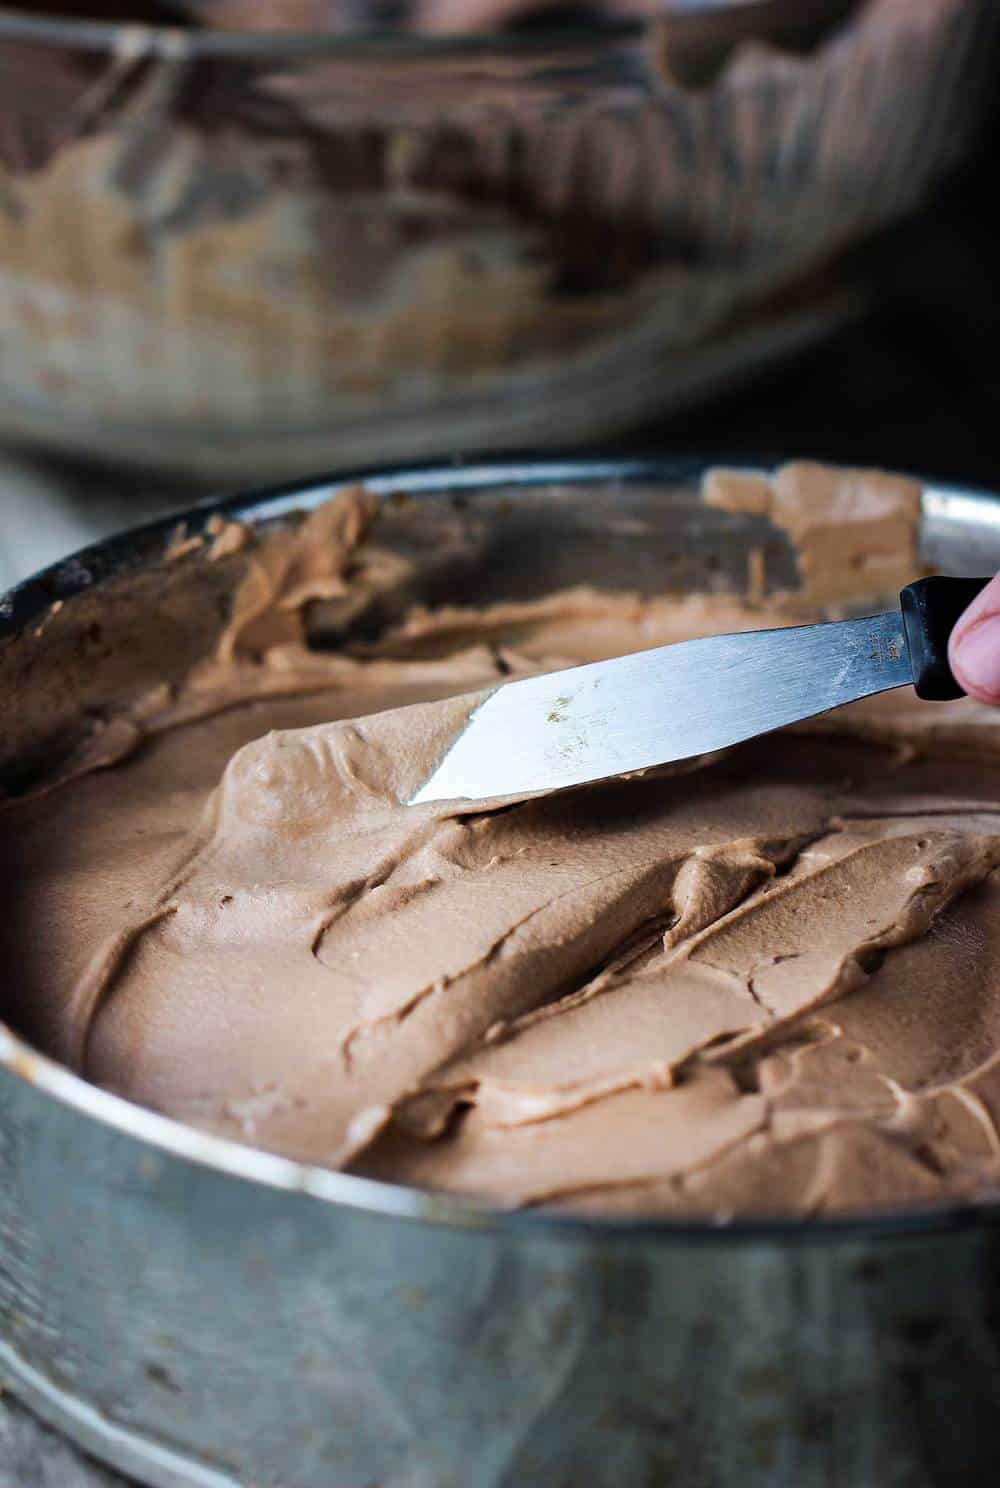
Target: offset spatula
673,703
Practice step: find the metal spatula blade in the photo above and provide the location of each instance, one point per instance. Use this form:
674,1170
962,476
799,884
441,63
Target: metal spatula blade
674,703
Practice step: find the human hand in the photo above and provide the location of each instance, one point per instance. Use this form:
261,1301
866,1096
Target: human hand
974,647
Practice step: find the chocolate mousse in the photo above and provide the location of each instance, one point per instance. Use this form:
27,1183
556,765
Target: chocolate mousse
764,985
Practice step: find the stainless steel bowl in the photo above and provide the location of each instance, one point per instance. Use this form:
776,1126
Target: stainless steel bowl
241,254
200,1313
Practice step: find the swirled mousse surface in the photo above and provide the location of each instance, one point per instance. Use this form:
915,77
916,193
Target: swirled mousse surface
768,984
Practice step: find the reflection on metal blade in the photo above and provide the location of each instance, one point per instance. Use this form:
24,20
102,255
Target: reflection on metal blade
670,703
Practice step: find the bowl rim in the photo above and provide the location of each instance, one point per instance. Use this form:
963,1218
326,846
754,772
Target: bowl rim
129,549
17,23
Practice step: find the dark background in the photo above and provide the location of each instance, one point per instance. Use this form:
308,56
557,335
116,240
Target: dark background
915,385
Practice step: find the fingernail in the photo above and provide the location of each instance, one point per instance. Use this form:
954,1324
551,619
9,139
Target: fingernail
977,659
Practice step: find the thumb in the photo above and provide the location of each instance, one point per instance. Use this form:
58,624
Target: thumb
974,648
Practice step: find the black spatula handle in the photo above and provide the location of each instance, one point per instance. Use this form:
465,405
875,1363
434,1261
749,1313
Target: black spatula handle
931,610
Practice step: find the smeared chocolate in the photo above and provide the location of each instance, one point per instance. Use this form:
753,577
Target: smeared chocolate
764,985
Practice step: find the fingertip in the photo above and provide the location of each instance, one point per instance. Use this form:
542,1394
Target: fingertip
974,654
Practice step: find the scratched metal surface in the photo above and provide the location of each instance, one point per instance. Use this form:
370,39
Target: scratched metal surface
204,1316
34,1456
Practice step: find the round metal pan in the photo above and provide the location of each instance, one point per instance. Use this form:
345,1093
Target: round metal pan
196,1312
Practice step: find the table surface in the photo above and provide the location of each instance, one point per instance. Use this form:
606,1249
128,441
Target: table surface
915,386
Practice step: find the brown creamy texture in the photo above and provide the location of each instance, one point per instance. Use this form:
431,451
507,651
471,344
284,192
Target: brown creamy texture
769,984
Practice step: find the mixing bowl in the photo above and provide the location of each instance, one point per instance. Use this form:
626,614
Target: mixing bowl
240,253
205,1315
